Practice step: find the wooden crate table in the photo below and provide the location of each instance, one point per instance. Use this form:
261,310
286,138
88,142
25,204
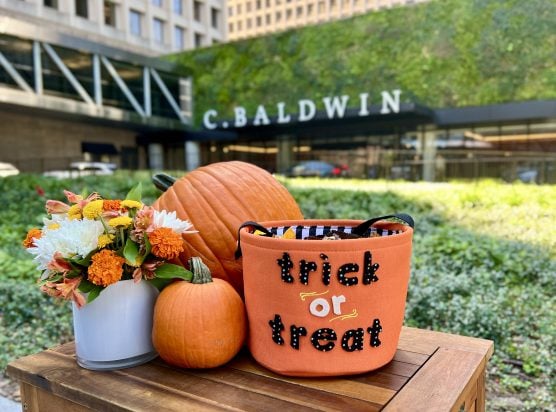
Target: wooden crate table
431,371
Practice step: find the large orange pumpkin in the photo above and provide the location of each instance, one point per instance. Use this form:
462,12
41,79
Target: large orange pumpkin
201,324
217,199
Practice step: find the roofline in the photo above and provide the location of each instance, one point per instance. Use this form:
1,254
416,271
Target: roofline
506,112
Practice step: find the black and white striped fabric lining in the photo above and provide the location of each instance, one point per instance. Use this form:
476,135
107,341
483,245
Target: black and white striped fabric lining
301,232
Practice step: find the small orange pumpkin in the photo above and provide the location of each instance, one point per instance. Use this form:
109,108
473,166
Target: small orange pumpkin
217,199
199,324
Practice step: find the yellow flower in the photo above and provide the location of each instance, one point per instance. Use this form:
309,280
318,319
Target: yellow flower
131,204
124,221
93,209
74,212
54,226
105,240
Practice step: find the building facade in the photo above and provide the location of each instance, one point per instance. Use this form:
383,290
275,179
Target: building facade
251,18
380,136
149,27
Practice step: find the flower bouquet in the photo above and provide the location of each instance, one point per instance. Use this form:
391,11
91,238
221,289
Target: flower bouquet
110,258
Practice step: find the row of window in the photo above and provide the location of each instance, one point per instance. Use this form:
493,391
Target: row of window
135,27
136,19
268,18
110,12
81,8
321,5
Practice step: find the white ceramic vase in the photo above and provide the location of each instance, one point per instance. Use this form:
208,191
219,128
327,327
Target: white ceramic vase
115,330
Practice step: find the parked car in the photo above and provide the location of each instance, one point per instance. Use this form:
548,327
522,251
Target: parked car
78,169
8,169
317,168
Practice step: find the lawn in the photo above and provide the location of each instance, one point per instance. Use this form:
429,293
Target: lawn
484,264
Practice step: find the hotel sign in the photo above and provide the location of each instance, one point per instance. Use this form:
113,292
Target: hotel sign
334,107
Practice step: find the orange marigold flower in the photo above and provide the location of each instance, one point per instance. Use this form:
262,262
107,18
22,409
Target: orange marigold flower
165,243
31,236
106,268
111,205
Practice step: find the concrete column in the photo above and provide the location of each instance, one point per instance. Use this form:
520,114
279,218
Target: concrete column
428,146
156,156
192,155
285,153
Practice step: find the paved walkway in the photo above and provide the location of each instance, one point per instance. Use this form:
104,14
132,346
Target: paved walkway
7,405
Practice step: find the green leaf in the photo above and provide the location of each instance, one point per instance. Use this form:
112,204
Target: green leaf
160,283
135,193
148,246
131,253
93,294
171,271
86,261
85,286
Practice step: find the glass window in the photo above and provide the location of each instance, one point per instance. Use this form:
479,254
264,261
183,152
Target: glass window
178,7
198,40
157,3
215,18
81,8
231,27
230,11
179,37
197,10
158,30
135,22
109,13
51,3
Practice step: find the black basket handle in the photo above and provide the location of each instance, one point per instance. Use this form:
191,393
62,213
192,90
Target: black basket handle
358,230
254,225
363,227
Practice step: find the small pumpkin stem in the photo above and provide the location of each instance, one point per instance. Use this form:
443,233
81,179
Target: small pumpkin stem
201,272
163,181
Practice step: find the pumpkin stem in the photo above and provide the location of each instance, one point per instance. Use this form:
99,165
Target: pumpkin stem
163,181
201,272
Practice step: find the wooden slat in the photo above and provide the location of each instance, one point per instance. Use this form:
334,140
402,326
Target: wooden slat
427,341
339,386
34,399
400,368
410,357
112,391
438,385
291,392
243,390
383,380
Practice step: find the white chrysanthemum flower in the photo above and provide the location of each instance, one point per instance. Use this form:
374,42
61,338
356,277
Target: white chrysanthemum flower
71,238
170,220
53,220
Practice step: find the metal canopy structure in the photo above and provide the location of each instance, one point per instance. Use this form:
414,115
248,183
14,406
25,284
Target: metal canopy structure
61,78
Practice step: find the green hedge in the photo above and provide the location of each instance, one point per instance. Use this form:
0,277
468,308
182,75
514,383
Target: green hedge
484,264
441,54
